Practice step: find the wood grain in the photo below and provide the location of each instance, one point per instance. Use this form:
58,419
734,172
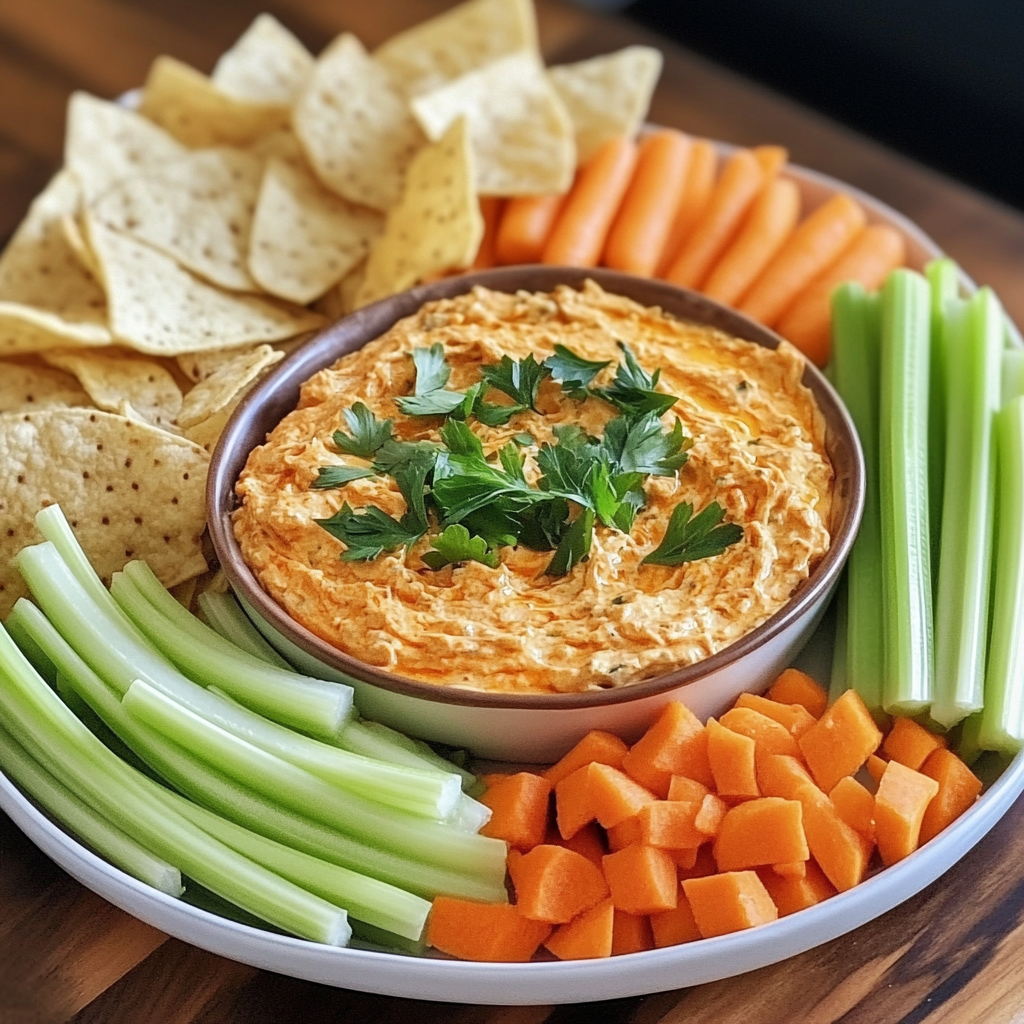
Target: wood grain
952,954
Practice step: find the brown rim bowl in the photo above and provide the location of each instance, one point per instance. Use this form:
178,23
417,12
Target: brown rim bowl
277,394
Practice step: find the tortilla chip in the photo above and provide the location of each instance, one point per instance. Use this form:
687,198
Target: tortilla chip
197,366
189,106
30,388
280,145
211,395
128,490
355,125
196,209
607,96
304,237
459,40
72,231
158,308
113,378
521,135
267,64
106,143
437,224
47,298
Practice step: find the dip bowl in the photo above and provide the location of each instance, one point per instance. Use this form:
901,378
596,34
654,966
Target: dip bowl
526,727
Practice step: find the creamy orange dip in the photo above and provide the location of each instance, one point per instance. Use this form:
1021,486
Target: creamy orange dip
759,451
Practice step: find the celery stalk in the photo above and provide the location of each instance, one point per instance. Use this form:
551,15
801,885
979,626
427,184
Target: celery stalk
837,680
1013,375
51,734
91,828
973,349
237,802
903,461
856,344
224,614
1002,720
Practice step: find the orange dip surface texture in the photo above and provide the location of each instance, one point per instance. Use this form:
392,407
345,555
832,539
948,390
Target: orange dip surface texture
758,450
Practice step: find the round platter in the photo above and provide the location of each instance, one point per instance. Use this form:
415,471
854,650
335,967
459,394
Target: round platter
635,974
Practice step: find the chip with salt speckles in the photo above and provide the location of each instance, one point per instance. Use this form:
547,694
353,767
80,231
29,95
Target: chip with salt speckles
437,224
214,392
266,65
28,388
128,490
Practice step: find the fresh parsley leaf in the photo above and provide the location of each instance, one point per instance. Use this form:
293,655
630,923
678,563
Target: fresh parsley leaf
568,470
338,476
542,525
393,453
466,483
369,533
629,489
411,478
432,369
456,545
574,545
572,435
460,440
641,445
633,388
493,415
368,432
689,537
512,461
524,438
573,372
433,403
519,379
499,526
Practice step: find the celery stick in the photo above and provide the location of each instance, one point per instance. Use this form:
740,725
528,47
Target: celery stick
236,802
91,828
119,653
837,679
224,614
303,792
1013,375
974,348
903,462
1002,720
48,731
856,344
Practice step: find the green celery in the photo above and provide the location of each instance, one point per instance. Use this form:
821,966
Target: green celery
973,350
92,828
238,803
856,348
1002,720
1013,375
224,614
903,461
51,734
838,680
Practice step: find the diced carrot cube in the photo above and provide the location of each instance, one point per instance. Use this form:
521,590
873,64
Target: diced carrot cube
855,805
731,757
794,718
519,810
900,804
671,746
768,735
703,865
791,894
682,788
910,743
876,767
554,884
841,852
768,830
597,745
729,902
672,927
573,808
493,932
631,933
782,775
709,818
686,858
796,687
589,842
626,833
840,741
791,869
586,937
669,825
614,796
642,879
958,789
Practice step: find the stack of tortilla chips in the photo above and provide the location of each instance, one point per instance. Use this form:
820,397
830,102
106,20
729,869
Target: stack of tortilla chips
194,237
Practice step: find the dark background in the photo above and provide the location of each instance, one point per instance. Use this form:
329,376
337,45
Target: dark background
940,80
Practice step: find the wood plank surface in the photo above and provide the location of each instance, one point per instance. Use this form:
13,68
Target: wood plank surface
953,953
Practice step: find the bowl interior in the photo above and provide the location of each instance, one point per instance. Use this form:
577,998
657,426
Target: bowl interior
278,394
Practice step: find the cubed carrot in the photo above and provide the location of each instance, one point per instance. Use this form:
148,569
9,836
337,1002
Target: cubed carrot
910,743
958,789
709,818
855,805
900,804
573,809
791,894
703,865
685,859
493,932
671,746
768,830
597,745
631,933
876,767
587,936
519,810
796,687
672,927
791,868
682,788
795,718
841,851
614,796
642,879
731,757
782,775
729,902
840,741
669,824
589,842
554,884
768,735
626,833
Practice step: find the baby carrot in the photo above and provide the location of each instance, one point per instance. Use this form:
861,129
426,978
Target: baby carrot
490,210
739,183
578,236
867,260
525,225
642,224
700,180
770,222
817,241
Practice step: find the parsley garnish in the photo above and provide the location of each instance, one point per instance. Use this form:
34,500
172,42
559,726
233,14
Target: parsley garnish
633,388
429,397
519,379
689,537
456,545
338,476
369,533
368,432
641,445
573,372
574,545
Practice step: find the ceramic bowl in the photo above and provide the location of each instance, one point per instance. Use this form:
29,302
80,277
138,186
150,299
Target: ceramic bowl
516,726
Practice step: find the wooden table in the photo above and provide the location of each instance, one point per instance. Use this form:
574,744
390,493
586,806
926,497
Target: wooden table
953,953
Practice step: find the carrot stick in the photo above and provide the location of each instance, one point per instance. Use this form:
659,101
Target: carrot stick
642,224
490,209
739,183
816,242
578,236
700,181
867,259
770,222
525,225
